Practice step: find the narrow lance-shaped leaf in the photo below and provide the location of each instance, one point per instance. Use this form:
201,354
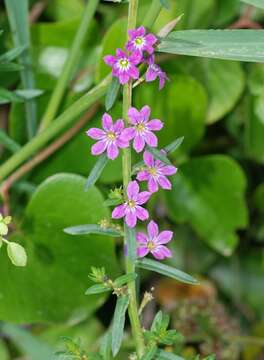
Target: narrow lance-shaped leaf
257,3
119,323
150,352
112,93
166,270
97,289
159,155
96,171
165,355
165,3
92,229
174,145
12,54
8,67
9,143
241,45
124,279
105,346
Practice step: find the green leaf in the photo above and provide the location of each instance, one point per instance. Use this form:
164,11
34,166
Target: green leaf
113,202
9,67
165,4
17,13
16,254
257,3
112,93
119,322
92,229
241,45
208,193
9,143
105,346
150,352
165,355
124,279
166,270
4,353
7,96
28,94
97,289
158,155
174,145
31,347
131,243
54,258
225,83
96,171
12,54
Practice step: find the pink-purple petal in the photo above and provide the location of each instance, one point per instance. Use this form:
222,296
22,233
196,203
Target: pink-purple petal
138,143
164,237
151,139
134,115
142,213
143,175
99,147
153,185
168,170
155,125
141,238
153,229
128,133
110,60
132,190
143,197
151,74
142,251
148,159
119,211
164,182
107,122
131,219
145,113
123,78
95,133
112,151
119,125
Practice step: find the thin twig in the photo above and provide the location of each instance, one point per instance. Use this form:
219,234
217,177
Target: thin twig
37,10
42,155
245,21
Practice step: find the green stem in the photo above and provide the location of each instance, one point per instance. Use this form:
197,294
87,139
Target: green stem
69,65
55,128
130,266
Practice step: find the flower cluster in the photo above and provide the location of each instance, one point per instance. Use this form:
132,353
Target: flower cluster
140,131
138,50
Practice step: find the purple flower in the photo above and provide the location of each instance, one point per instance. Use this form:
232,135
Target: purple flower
154,71
123,65
156,173
131,209
139,41
154,242
141,132
110,138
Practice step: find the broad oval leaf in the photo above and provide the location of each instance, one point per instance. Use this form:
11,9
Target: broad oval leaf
241,45
16,254
166,270
119,322
92,229
209,194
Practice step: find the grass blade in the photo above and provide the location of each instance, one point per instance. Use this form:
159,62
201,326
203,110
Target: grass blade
12,54
241,45
119,322
9,143
9,67
96,171
166,270
17,12
70,64
91,229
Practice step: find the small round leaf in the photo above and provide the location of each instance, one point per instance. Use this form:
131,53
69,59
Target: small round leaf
17,254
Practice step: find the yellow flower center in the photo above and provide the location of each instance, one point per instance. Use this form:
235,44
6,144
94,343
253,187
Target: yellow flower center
131,203
140,127
151,246
111,135
139,41
123,63
152,171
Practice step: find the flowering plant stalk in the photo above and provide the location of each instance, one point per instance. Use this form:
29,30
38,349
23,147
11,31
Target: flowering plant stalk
136,130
